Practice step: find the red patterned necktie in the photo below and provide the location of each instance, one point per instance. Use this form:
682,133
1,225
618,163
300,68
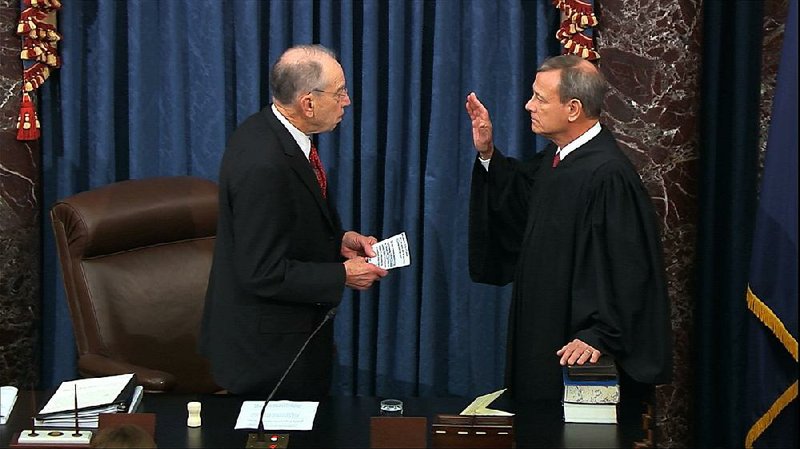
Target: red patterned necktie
556,159
319,171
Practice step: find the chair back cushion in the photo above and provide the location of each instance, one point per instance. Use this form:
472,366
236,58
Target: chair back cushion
135,258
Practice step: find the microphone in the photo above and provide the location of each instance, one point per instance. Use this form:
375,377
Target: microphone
259,437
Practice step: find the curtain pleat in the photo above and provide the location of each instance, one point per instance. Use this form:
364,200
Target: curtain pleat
154,88
729,126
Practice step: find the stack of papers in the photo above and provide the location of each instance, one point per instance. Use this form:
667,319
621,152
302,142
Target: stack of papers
90,397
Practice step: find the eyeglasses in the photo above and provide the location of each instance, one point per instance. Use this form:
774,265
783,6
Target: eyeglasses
339,94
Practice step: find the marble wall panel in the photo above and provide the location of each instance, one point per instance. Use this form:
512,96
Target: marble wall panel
775,12
20,273
650,52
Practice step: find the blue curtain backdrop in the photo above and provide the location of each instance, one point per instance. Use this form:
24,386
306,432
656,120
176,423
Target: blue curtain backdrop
153,88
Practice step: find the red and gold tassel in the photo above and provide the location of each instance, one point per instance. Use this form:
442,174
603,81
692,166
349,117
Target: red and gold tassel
37,27
28,127
574,33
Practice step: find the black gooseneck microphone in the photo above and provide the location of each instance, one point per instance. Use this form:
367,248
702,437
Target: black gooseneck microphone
328,316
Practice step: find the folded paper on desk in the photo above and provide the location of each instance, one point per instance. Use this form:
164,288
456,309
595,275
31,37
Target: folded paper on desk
96,395
8,397
479,407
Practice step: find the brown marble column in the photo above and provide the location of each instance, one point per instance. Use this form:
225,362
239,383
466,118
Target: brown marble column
651,52
775,12
20,187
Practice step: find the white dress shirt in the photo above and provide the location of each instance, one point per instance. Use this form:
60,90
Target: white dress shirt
568,148
303,140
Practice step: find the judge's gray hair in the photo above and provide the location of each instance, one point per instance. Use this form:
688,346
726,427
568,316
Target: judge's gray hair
297,75
586,85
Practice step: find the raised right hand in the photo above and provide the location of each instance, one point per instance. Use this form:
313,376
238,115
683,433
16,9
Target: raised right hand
360,274
481,126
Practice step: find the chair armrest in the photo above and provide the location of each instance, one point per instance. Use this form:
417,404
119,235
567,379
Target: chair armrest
153,381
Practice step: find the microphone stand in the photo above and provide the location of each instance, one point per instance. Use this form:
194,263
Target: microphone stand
258,439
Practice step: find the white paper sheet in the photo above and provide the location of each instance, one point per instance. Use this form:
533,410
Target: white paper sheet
391,253
280,415
8,397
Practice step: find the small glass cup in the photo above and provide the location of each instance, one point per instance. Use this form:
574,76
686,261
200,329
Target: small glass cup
391,407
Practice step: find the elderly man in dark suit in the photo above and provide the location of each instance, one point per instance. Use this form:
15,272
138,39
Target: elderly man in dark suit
281,259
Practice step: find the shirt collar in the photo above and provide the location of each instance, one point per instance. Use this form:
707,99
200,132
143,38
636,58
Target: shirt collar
303,140
582,139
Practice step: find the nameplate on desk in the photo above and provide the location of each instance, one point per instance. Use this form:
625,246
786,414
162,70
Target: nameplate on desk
459,431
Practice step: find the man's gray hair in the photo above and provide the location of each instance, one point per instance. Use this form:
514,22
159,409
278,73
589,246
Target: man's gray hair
587,86
292,77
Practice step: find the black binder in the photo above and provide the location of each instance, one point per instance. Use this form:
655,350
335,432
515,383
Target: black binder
119,403
603,369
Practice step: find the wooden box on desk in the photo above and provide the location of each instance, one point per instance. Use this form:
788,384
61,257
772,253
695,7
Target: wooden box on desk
459,431
397,432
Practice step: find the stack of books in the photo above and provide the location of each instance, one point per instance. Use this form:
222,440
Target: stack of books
85,399
591,392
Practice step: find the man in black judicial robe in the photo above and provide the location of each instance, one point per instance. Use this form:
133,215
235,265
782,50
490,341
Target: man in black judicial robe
575,230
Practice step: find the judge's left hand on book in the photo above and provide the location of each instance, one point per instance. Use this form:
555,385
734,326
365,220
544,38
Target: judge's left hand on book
578,352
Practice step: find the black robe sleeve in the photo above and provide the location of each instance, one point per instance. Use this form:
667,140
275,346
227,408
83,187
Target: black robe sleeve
498,211
620,302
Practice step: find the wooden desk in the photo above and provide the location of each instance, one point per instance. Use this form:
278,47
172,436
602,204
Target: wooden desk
343,422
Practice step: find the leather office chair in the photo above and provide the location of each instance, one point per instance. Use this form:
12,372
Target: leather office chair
135,257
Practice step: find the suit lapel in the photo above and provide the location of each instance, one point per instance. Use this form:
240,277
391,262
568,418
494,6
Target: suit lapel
299,163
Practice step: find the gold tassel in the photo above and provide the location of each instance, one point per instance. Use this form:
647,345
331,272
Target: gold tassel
772,322
769,416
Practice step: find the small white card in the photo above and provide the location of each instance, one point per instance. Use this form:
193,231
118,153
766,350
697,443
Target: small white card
279,415
391,253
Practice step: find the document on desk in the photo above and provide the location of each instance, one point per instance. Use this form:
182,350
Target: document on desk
480,406
391,253
108,393
280,415
8,397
